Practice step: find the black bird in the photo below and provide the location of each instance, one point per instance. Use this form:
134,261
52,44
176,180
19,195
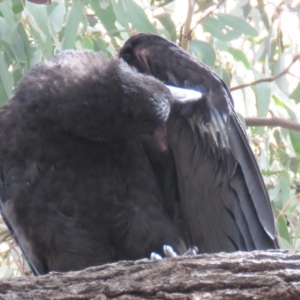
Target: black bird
77,188
99,163
223,199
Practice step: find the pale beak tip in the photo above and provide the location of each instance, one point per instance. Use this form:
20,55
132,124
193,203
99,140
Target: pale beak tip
184,95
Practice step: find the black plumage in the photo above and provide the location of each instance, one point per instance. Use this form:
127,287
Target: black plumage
99,163
223,198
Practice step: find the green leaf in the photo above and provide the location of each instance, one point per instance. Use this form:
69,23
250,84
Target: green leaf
104,3
284,243
239,55
35,56
7,13
137,17
37,18
25,40
4,32
204,52
17,75
227,27
238,24
57,15
283,229
100,45
73,21
106,15
218,30
295,140
167,22
296,94
284,158
19,48
87,43
133,14
3,96
294,164
120,12
284,186
264,16
263,97
225,77
6,77
294,136
17,6
282,81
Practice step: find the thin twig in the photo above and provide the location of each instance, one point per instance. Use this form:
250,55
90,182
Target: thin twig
273,122
282,211
270,79
207,14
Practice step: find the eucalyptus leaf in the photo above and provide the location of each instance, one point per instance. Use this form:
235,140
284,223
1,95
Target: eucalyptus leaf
239,55
87,43
219,30
294,164
57,14
237,24
3,96
6,77
296,94
25,40
37,17
104,3
282,81
7,13
19,48
166,20
4,31
204,52
106,15
137,17
263,97
120,11
283,231
295,140
284,186
17,6
73,21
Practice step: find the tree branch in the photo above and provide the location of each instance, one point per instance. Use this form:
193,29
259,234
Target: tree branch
272,122
240,275
270,79
185,36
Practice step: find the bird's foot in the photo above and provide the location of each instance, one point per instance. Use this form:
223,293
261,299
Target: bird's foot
169,252
155,256
191,251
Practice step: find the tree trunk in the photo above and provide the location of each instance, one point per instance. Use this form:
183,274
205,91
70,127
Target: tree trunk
240,275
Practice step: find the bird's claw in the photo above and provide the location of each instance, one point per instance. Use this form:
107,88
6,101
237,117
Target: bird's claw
155,256
168,252
191,251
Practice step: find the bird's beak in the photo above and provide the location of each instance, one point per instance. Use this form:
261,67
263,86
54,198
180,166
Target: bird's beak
182,95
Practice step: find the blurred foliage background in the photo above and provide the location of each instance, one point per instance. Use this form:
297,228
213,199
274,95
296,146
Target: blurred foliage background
243,41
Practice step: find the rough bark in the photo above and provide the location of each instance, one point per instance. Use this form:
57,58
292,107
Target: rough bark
241,275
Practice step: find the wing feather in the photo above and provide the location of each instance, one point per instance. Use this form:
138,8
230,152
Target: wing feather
224,201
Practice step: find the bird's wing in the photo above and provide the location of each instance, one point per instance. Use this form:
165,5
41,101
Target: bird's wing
224,201
3,208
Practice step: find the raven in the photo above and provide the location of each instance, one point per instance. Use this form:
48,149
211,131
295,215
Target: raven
100,163
224,202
